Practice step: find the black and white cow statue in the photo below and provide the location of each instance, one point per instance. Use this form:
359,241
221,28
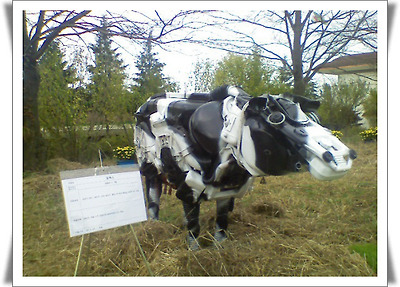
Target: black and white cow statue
211,146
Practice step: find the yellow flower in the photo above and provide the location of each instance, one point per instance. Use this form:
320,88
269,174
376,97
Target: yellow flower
369,134
126,152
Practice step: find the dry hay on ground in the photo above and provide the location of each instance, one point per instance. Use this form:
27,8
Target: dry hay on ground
290,226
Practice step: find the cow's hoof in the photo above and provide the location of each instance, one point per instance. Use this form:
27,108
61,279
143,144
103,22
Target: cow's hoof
152,214
219,238
193,244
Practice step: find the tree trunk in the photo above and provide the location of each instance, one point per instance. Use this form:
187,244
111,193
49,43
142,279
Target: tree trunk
297,52
33,143
34,148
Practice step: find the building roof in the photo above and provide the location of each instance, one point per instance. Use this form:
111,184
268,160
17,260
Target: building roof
366,62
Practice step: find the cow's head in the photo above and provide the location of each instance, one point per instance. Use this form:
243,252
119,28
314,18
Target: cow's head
278,136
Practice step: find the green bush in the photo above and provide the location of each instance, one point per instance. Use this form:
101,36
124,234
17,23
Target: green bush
340,105
371,107
83,146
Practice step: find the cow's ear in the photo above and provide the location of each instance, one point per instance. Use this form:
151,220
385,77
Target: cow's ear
258,103
307,105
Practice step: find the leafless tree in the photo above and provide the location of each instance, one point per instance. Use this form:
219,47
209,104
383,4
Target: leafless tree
300,40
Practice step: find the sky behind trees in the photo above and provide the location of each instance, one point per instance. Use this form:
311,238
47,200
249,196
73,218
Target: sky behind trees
181,57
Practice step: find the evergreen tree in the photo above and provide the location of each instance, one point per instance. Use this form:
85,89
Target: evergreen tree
150,79
60,107
107,88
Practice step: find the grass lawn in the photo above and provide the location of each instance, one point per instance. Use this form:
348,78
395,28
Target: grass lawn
292,225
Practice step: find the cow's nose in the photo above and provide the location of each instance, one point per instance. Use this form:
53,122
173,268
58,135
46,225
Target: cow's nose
352,154
327,156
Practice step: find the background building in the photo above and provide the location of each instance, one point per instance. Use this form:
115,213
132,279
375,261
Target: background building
353,68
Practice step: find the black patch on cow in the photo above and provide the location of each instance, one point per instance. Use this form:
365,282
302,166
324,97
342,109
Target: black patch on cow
242,99
219,94
192,212
185,193
147,109
144,124
206,125
158,96
171,168
292,111
234,177
271,152
307,105
258,105
148,170
204,97
176,176
179,112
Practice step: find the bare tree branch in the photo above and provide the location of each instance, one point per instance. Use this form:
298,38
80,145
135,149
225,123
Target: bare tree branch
315,37
338,49
52,34
39,26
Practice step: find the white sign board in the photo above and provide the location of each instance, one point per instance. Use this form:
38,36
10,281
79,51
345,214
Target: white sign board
97,202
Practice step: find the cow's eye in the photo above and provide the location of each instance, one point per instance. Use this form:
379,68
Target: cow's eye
276,118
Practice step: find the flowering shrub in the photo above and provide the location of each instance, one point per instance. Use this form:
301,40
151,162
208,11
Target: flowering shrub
126,153
337,134
369,134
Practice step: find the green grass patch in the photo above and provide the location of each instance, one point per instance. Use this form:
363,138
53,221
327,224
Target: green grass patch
368,251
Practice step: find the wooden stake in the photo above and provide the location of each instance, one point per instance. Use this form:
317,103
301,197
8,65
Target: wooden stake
79,257
142,252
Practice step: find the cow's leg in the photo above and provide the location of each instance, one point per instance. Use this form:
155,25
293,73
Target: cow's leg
153,194
223,207
192,211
